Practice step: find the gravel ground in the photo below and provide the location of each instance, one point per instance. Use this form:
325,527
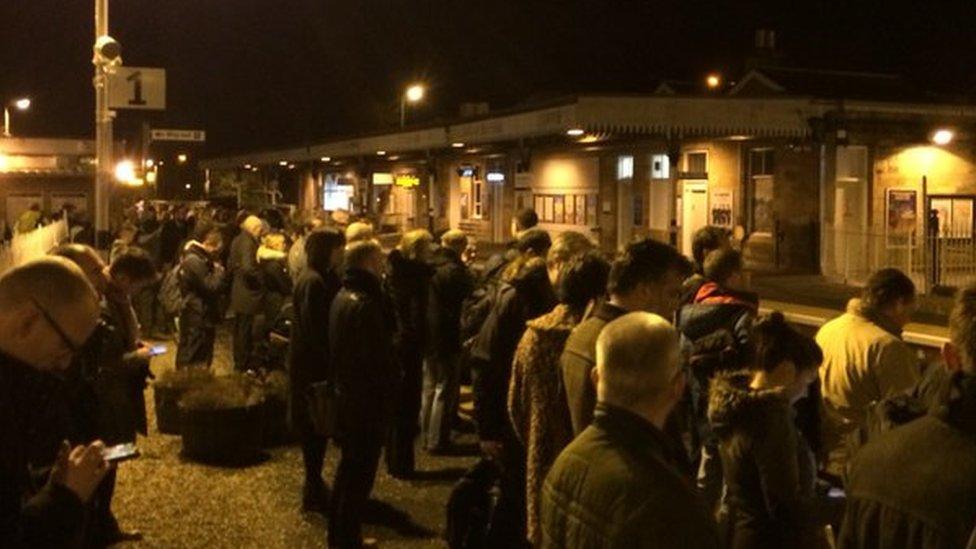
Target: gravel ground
178,503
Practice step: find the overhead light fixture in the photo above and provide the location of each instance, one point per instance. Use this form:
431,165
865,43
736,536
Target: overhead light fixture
380,153
247,166
739,138
457,145
575,132
943,136
150,162
282,162
181,158
254,169
325,158
125,173
394,158
291,166
188,186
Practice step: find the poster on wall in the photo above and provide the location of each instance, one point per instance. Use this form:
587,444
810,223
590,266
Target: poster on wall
902,212
720,212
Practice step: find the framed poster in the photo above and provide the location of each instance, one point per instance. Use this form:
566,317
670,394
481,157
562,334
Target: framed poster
581,209
558,208
902,215
547,210
720,208
570,209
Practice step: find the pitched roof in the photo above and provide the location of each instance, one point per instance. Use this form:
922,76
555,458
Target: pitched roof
826,84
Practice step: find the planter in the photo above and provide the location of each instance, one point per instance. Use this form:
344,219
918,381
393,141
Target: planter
276,432
167,409
223,436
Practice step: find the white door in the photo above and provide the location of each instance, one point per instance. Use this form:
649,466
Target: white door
694,214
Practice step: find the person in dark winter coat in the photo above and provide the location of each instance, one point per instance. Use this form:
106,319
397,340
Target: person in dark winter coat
202,283
367,374
645,277
309,360
408,285
526,294
623,482
705,241
768,468
523,220
716,328
246,291
915,486
451,284
272,261
112,369
536,402
40,331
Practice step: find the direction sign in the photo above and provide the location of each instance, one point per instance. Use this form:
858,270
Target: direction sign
140,88
178,135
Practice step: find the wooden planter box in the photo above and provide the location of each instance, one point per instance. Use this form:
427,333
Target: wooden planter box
230,436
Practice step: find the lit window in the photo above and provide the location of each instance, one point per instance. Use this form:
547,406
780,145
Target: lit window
660,166
625,167
336,196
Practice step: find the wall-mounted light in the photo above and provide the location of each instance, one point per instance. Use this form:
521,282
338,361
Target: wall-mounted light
325,158
282,162
943,136
457,145
575,132
380,153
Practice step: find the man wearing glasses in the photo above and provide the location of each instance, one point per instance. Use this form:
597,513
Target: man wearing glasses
47,312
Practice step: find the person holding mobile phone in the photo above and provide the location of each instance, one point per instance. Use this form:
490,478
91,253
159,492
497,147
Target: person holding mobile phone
40,334
114,364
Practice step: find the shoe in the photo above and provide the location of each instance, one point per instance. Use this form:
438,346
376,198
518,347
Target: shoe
121,536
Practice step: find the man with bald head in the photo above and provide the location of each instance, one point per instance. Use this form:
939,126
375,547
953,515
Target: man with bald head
620,483
48,310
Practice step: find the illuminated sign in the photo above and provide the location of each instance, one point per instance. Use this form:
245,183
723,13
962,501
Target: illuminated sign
406,181
468,171
495,177
382,178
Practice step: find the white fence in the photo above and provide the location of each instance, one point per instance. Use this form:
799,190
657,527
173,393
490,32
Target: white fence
944,260
25,247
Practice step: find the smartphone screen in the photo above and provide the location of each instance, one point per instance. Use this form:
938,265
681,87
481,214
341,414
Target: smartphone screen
121,452
157,350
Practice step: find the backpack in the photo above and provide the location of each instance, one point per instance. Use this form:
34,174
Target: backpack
476,309
170,296
471,508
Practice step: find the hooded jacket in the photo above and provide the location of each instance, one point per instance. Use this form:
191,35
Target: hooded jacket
451,284
528,295
865,361
578,360
769,471
201,286
537,404
915,486
408,285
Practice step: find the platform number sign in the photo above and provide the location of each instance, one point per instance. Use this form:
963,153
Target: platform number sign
137,88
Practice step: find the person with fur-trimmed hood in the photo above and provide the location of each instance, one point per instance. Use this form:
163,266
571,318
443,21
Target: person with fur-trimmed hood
202,283
768,468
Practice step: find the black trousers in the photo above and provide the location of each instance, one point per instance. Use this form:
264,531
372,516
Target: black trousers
313,457
243,340
102,525
196,343
406,422
352,486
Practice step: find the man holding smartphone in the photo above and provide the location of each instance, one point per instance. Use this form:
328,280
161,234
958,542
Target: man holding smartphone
40,332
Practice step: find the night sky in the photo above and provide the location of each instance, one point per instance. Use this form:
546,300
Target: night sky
262,73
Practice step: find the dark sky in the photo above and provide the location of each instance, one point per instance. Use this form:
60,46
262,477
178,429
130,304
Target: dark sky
260,73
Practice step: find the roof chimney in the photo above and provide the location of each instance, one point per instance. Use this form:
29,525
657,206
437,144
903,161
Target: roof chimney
765,53
765,40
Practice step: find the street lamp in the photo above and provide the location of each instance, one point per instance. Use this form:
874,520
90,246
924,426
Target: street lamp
713,81
943,137
21,104
413,94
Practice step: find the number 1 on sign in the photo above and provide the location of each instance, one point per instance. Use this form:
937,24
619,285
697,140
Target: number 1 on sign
136,79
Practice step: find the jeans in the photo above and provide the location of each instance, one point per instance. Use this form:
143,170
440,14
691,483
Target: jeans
440,400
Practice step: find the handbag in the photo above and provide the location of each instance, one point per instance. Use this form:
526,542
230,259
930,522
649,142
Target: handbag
323,407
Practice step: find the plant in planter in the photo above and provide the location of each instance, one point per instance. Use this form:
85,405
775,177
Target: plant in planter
222,420
275,384
167,390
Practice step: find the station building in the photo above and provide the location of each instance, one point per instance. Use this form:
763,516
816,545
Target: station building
812,171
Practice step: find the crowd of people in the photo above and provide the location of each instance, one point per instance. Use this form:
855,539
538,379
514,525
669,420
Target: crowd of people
633,400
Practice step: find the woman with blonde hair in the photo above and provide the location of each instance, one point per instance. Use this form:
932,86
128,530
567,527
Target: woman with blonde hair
408,285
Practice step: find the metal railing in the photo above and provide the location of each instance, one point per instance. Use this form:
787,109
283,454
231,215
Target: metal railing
946,259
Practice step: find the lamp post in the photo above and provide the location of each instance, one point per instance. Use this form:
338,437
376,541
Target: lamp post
108,56
21,105
413,94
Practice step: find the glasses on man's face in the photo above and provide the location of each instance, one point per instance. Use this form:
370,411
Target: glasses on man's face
70,345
